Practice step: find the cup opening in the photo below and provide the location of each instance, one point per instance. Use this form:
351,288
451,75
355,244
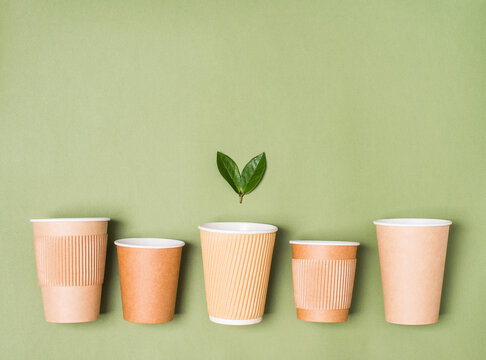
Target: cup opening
412,222
70,219
149,243
238,228
324,242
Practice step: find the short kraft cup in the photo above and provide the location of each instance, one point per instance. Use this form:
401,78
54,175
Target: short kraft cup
236,259
70,256
323,277
149,274
412,259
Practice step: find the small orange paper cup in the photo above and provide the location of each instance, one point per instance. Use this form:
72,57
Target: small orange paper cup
412,260
149,274
70,256
323,277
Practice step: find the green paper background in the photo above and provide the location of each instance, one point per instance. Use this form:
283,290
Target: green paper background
365,109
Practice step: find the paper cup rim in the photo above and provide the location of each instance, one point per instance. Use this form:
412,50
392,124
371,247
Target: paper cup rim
70,219
412,222
324,243
149,243
238,228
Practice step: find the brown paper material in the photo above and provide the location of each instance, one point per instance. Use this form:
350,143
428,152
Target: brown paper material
71,304
323,278
412,261
236,272
70,258
148,279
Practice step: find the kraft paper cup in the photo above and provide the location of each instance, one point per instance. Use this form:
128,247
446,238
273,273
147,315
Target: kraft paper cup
236,259
412,259
70,256
323,277
149,273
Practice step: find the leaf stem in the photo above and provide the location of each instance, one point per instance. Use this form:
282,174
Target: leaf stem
241,198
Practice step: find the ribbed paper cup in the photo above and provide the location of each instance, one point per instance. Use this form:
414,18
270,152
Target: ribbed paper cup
149,273
323,276
236,259
70,256
412,259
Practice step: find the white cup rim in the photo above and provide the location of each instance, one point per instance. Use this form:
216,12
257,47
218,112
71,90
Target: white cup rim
324,243
70,219
149,243
412,222
238,228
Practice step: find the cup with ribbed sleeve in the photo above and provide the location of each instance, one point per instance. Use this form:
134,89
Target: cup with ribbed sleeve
70,256
236,258
323,277
412,260
149,275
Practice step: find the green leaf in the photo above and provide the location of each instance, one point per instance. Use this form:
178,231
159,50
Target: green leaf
229,170
252,173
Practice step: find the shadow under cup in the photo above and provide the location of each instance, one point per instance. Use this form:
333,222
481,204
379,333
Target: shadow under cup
149,274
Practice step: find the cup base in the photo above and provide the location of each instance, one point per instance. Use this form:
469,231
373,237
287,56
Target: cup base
234,322
323,316
141,320
71,304
412,322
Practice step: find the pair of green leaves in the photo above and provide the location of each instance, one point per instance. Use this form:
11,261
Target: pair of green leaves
249,178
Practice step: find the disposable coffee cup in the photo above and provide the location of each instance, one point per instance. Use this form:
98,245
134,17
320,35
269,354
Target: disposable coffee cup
236,259
70,256
323,277
412,260
149,275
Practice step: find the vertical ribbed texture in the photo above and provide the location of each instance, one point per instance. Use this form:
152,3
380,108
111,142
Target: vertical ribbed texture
236,271
70,260
323,284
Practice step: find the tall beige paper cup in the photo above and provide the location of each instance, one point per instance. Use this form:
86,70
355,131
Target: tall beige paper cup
323,277
412,259
236,260
70,256
149,273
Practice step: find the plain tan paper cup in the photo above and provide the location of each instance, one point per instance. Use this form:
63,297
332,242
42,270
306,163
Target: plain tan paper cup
236,259
412,259
323,277
149,274
70,256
